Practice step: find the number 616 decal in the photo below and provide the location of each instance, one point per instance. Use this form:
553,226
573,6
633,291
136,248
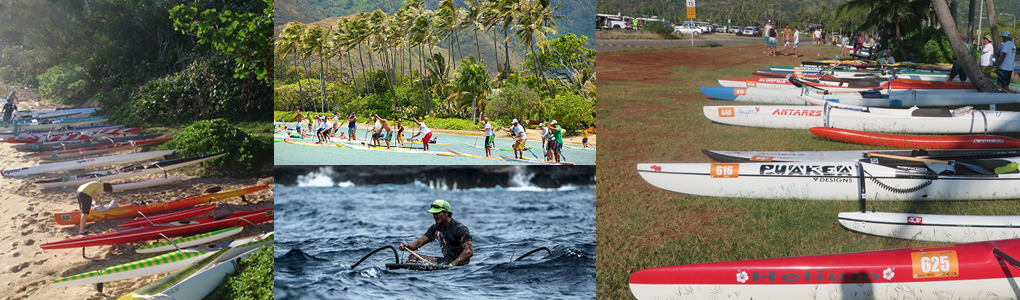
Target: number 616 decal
724,170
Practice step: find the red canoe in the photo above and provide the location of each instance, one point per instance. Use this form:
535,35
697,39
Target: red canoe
97,149
972,141
829,82
965,271
129,210
84,135
170,217
152,232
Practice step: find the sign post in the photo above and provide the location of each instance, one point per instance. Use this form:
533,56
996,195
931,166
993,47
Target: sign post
691,15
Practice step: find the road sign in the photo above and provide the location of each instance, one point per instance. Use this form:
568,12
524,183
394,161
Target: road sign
690,12
690,3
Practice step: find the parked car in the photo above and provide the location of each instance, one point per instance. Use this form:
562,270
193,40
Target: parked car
687,28
720,29
749,31
735,29
705,28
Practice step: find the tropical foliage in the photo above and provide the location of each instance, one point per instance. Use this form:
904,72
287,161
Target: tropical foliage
389,64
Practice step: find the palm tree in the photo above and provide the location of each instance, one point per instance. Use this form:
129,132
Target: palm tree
313,43
289,42
535,22
470,84
446,24
475,14
977,78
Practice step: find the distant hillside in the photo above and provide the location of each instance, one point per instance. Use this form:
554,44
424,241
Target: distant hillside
781,9
578,14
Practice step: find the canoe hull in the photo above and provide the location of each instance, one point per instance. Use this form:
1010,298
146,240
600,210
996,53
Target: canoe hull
934,228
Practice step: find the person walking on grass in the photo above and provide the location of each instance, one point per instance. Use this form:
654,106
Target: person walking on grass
986,55
772,41
768,27
88,197
787,38
796,41
422,129
1005,65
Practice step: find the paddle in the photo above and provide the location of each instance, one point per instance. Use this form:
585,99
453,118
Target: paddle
971,167
419,257
396,257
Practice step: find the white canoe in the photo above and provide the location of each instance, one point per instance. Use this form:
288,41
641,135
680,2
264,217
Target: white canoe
190,241
852,155
45,126
862,96
126,172
838,180
150,266
85,163
910,120
191,283
56,113
145,184
933,228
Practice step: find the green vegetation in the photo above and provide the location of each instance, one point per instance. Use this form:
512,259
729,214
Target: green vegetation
663,30
245,152
132,58
377,63
253,280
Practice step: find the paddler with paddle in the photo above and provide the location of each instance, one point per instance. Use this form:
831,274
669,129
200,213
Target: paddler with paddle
88,196
490,136
454,238
377,135
422,129
517,132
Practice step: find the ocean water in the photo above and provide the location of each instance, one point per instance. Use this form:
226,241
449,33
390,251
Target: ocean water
293,154
327,226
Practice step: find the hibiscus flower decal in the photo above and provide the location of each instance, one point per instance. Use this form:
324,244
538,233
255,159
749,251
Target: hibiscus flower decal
888,274
741,276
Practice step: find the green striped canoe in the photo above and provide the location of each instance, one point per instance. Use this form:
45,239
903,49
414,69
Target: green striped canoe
150,266
191,241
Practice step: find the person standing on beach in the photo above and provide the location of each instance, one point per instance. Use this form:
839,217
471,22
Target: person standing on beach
584,135
796,41
88,196
772,41
9,108
352,126
422,129
489,136
1007,53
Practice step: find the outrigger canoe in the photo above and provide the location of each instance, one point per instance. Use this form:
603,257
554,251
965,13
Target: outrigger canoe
934,228
972,141
85,163
57,146
910,120
170,230
89,151
168,217
878,179
128,171
70,136
862,97
852,155
190,241
124,211
985,270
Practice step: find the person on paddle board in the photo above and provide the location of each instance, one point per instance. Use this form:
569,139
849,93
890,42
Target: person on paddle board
300,118
454,238
490,138
422,129
548,139
557,140
584,135
384,125
352,126
543,131
88,196
400,133
517,132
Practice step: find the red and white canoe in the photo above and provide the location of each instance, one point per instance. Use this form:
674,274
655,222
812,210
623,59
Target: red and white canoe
965,271
831,83
153,232
168,217
83,152
970,141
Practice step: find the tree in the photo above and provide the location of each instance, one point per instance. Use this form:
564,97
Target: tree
470,84
243,36
536,20
900,15
970,65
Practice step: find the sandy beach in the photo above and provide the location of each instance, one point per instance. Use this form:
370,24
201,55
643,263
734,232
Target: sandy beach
27,222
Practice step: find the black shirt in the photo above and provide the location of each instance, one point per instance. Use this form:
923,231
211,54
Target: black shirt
451,238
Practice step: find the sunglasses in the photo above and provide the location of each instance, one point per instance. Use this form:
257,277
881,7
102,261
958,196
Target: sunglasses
438,207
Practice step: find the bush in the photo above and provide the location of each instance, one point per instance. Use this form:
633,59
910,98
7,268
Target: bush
441,123
571,111
666,32
245,152
206,89
64,83
252,280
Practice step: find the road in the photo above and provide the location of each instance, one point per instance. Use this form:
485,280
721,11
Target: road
711,39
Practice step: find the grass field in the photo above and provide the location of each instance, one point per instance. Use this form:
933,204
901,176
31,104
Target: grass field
651,111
